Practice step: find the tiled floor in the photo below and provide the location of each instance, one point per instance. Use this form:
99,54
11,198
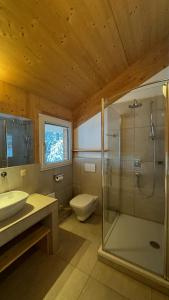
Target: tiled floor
74,273
136,247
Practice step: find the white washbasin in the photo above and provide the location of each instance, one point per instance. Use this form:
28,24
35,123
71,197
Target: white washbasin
11,203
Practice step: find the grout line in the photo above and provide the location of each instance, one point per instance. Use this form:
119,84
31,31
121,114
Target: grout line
119,35
118,293
84,287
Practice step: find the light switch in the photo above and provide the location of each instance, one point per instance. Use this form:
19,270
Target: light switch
23,172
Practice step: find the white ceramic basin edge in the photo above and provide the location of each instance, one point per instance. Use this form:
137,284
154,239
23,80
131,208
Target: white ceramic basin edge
11,203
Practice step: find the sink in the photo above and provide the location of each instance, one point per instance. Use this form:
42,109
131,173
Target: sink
11,203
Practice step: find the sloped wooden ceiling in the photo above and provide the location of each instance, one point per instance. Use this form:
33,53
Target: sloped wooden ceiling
67,51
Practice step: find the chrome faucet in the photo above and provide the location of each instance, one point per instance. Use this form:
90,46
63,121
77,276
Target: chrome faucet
3,174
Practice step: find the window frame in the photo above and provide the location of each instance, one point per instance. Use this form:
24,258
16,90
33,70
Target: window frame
43,119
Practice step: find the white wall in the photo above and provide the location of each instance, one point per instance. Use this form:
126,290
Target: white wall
88,135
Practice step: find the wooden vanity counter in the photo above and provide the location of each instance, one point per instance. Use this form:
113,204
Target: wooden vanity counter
39,210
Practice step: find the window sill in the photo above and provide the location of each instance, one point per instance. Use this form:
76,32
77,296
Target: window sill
55,166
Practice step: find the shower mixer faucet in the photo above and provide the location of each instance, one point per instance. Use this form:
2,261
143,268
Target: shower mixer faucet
137,163
137,166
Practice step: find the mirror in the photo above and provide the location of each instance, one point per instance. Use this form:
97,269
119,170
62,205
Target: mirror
16,141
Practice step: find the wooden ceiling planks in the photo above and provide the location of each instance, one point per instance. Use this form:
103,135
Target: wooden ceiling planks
67,50
141,24
136,74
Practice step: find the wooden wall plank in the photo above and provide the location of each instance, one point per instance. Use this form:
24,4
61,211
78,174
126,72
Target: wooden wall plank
141,24
67,50
16,101
143,69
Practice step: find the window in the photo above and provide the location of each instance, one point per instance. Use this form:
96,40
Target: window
55,142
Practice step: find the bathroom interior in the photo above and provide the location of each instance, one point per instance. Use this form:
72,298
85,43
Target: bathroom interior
84,138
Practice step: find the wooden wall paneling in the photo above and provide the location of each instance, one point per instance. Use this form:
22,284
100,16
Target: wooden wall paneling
94,36
102,19
34,59
149,65
67,50
141,24
54,59
12,100
68,39
18,102
40,105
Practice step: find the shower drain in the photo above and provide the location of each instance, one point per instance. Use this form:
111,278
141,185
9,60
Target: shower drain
154,245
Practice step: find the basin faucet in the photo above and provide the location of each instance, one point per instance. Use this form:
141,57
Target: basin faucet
4,174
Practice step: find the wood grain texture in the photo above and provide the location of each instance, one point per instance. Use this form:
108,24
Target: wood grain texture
137,73
16,101
67,50
23,245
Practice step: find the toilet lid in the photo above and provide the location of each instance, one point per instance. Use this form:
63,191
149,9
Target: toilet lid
83,200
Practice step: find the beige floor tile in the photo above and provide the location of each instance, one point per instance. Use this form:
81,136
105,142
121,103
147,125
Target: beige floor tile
33,276
90,229
121,283
86,258
69,244
68,287
97,291
77,251
158,296
59,284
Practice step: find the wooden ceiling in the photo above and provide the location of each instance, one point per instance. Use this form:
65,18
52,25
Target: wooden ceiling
67,50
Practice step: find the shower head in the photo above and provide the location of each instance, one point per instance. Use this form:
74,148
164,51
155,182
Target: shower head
135,104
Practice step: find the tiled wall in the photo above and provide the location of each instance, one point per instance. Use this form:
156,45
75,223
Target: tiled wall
137,144
87,182
131,139
88,136
37,181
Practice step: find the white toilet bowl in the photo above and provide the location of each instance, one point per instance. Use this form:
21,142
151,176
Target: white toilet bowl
83,205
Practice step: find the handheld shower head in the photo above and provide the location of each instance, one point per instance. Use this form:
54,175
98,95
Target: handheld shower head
152,131
152,126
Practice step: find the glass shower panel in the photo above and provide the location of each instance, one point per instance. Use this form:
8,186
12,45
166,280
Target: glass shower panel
135,194
111,165
166,92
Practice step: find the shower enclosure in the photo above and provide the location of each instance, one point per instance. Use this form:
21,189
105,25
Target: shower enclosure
134,180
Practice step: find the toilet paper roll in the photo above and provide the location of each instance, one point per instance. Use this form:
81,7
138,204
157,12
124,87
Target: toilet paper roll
58,178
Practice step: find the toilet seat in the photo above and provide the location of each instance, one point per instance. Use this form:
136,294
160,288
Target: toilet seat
83,200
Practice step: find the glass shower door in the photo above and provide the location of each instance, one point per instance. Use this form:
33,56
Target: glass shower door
134,215
111,168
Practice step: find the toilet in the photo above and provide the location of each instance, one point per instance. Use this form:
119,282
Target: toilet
84,205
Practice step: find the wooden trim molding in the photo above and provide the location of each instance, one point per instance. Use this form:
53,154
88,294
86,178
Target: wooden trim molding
89,150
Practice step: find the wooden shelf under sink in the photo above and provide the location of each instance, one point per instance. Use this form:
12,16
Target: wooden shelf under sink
17,247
